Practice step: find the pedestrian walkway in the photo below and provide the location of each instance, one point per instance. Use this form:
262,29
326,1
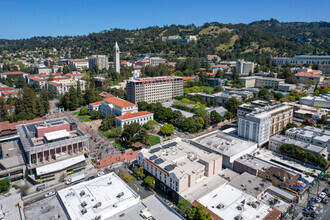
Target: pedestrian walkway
129,155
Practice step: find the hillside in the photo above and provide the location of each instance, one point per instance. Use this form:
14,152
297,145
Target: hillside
250,41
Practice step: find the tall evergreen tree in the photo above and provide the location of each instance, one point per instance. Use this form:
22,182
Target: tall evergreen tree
44,100
40,111
79,94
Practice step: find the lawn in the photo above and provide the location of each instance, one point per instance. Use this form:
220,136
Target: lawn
118,145
84,118
153,139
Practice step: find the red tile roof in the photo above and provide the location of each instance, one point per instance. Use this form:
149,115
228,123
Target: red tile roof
54,83
75,74
142,61
308,75
79,61
119,102
5,125
5,88
37,79
95,103
133,115
128,155
10,93
189,78
137,67
106,95
12,73
221,66
273,215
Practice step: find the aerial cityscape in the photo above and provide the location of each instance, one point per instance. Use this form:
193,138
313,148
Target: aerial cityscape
118,111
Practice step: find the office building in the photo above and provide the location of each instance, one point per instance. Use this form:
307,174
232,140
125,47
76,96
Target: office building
80,64
264,122
216,81
116,55
137,117
63,86
11,207
321,100
229,147
52,146
178,166
244,66
75,75
100,60
284,87
261,82
155,89
244,109
155,61
11,75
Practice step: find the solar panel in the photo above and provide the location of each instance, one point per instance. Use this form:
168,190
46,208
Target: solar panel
159,161
155,150
169,167
153,157
169,145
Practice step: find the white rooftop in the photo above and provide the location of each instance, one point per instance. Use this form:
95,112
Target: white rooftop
57,166
57,134
228,202
9,207
103,196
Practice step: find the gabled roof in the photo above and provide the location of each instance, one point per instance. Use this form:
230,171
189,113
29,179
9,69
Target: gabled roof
10,93
5,88
75,74
308,75
119,102
12,73
95,103
53,83
106,95
133,115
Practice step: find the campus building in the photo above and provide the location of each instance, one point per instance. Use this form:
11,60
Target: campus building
155,89
244,66
12,75
305,77
79,64
264,122
53,146
261,82
137,117
63,86
100,60
321,100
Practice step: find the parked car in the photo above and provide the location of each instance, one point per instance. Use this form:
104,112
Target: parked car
325,201
91,177
318,199
325,190
51,193
313,207
41,187
100,174
313,214
322,195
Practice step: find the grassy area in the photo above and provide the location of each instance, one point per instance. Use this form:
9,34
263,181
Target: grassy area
76,113
104,133
230,44
84,118
212,30
207,88
118,145
153,139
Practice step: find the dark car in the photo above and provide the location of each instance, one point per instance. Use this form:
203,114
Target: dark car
325,190
91,177
325,201
306,214
313,214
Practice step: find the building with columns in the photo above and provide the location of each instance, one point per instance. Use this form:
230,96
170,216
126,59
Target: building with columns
116,55
56,143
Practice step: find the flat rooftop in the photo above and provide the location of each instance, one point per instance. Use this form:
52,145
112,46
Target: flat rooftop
229,202
104,196
152,206
269,110
177,157
9,207
224,144
250,184
287,163
287,140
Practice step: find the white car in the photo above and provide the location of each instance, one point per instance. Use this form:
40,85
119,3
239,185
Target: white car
318,199
50,194
100,174
322,195
313,207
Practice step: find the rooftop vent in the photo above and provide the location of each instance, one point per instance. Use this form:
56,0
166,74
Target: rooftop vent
82,193
83,211
97,205
120,195
83,204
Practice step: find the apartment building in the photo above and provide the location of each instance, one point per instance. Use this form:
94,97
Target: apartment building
100,60
244,66
63,86
156,89
178,166
264,122
261,82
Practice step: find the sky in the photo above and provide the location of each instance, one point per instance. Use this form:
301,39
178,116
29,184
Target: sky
29,18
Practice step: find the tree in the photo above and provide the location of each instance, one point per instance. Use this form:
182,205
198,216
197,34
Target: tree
115,132
20,82
325,90
139,171
73,99
89,96
167,129
265,94
44,100
108,123
215,117
150,125
95,115
218,88
316,92
79,94
323,119
150,181
84,111
40,108
128,178
202,213
52,92
228,115
219,74
315,66
127,137
232,105
4,185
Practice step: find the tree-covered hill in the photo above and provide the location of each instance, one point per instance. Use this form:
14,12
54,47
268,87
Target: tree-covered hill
230,41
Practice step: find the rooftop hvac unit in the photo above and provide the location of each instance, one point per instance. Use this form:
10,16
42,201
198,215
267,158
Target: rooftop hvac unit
83,204
73,126
83,211
120,194
97,205
82,193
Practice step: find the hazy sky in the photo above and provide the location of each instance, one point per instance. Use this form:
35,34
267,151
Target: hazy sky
28,18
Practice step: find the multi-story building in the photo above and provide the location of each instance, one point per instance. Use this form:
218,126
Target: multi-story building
75,75
216,81
321,100
63,86
100,60
244,66
228,146
116,55
6,90
178,166
277,140
113,105
52,146
137,117
264,122
248,108
286,87
261,82
155,61
305,77
80,64
10,75
156,89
